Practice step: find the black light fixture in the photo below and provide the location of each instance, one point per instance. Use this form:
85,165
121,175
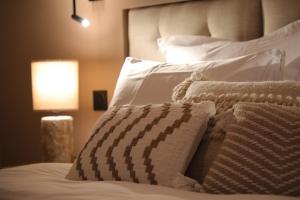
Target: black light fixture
84,22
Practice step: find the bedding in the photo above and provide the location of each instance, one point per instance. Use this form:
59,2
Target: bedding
260,153
143,144
140,80
188,49
47,181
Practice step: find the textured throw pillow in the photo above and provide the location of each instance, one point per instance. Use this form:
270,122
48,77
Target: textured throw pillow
209,146
190,48
143,144
260,153
226,94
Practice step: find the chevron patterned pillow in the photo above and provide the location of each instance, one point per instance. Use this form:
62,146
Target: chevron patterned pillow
143,144
260,153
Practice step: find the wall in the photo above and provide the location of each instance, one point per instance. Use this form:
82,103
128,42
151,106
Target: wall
42,29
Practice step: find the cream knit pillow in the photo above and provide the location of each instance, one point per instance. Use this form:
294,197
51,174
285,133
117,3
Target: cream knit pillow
143,144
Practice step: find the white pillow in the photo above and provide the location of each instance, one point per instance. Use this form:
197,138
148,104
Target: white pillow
184,40
131,77
181,50
143,81
158,85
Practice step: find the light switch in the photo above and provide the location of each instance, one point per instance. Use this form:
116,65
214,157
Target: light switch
100,100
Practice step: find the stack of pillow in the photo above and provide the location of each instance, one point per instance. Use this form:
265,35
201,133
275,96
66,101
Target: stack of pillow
180,49
220,117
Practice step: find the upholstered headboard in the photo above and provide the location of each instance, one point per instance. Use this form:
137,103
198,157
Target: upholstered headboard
230,19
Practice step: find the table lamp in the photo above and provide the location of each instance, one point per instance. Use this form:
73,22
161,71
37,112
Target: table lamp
55,88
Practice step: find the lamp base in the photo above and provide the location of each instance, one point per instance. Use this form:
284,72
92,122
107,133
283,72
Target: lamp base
57,138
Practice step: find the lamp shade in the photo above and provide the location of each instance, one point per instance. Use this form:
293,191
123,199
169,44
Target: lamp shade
55,85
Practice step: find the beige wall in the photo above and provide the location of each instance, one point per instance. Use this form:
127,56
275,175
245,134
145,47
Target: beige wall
42,29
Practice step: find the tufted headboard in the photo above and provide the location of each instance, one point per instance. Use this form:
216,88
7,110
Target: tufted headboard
230,19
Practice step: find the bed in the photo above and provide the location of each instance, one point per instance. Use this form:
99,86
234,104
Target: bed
235,22
46,181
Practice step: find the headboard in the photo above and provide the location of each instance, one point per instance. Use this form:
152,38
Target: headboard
230,19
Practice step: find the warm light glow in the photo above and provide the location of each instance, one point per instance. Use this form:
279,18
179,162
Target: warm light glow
55,85
85,23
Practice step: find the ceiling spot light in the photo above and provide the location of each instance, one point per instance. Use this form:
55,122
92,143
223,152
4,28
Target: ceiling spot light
83,21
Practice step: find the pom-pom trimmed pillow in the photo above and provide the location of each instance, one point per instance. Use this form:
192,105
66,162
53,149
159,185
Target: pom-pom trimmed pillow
260,153
226,94
143,144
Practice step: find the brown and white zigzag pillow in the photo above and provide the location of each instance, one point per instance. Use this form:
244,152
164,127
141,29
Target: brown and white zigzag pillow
143,144
260,153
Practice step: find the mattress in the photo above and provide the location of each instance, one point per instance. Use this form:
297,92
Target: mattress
47,181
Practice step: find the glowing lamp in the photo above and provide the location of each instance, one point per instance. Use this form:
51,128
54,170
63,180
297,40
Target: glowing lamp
55,85
55,88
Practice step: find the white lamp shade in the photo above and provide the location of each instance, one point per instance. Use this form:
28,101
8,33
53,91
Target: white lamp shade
55,85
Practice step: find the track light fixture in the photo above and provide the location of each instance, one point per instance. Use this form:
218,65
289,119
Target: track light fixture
84,22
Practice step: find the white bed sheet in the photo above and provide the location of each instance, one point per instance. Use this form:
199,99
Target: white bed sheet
45,181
